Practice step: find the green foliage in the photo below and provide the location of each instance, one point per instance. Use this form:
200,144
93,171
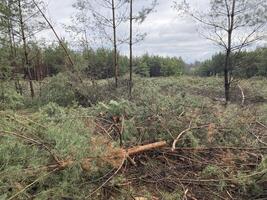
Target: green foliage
176,195
142,69
5,64
53,112
262,170
212,171
55,59
98,64
58,89
67,137
154,66
244,64
190,140
130,132
9,98
160,109
115,108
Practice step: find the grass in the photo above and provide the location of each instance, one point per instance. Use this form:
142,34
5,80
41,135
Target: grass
54,127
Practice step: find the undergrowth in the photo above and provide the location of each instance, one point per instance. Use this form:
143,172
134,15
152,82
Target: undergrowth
80,126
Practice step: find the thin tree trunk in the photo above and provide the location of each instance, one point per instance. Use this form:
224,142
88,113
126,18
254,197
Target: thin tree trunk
131,48
227,82
115,56
12,55
226,77
59,41
10,40
55,33
26,55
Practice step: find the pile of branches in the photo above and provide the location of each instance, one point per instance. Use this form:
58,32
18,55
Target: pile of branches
202,173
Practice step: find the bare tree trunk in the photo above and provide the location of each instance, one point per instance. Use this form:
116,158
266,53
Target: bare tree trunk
10,40
227,83
59,41
26,55
131,48
12,54
115,56
226,77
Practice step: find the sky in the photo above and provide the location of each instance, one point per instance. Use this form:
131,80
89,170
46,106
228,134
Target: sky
168,34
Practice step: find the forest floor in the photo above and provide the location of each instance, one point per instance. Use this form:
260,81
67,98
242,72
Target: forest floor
54,148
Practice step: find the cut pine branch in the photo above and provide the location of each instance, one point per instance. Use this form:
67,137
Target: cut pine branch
33,141
115,156
144,148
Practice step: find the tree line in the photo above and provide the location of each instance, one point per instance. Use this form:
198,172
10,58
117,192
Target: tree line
232,25
99,20
247,64
49,60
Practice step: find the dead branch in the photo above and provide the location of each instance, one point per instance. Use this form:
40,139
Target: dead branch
122,130
219,148
257,137
102,185
102,128
31,184
261,124
52,28
243,95
58,38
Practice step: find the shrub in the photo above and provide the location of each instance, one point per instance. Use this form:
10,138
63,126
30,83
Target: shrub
116,108
9,98
58,90
53,112
67,136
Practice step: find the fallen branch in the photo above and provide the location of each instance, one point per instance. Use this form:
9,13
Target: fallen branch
243,95
257,137
30,185
103,184
33,142
232,180
148,147
59,40
122,130
102,128
219,148
131,151
261,124
114,156
55,33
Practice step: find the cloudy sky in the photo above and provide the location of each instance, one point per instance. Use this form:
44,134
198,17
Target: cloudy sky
168,34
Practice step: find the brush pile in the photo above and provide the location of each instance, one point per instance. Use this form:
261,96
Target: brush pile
163,144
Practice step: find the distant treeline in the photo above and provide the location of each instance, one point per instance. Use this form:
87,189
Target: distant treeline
98,64
243,64
49,60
